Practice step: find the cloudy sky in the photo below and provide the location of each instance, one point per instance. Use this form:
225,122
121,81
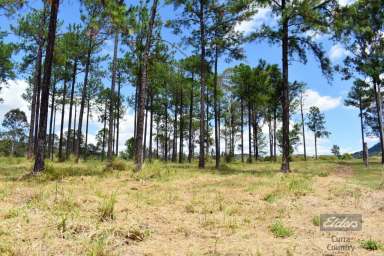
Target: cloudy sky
342,122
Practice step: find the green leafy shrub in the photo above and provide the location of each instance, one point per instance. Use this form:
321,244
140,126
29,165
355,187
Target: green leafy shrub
279,230
370,245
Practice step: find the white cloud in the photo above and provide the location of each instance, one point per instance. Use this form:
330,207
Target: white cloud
12,95
263,15
324,103
345,2
337,52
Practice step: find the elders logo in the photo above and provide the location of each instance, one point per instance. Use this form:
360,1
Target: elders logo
340,222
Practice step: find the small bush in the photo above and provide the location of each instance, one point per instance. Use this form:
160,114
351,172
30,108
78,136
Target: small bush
279,230
119,165
347,156
106,209
370,245
316,221
323,174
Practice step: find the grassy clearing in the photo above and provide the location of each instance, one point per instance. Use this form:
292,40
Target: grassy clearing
171,209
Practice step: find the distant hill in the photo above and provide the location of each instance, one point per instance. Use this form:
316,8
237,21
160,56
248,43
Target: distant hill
372,151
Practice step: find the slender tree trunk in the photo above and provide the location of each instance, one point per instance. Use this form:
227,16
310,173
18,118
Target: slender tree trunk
34,106
151,129
242,129
86,129
104,133
157,137
83,97
54,132
62,122
285,93
315,146
135,117
255,136
145,133
174,148
111,104
39,161
362,126
303,125
190,146
166,132
51,118
379,117
217,117
143,90
74,129
118,115
202,85
270,132
274,136
249,133
181,132
70,110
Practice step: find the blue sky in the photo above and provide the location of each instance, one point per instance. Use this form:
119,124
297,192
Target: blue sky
342,122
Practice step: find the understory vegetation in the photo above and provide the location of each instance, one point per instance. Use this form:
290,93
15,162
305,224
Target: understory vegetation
243,209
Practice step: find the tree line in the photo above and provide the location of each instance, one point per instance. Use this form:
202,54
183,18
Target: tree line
184,104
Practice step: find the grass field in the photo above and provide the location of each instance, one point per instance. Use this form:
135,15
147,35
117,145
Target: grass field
171,209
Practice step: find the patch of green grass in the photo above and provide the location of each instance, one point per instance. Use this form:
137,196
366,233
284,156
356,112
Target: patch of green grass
279,230
316,220
371,245
323,174
106,208
299,186
271,197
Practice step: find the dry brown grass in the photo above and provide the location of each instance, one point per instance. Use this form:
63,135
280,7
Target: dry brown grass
180,210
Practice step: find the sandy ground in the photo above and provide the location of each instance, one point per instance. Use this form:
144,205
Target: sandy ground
183,211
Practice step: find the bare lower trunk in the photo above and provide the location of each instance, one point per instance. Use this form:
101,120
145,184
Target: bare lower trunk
174,148
190,146
143,91
151,130
242,130
34,106
181,127
379,117
51,118
217,117
202,86
111,104
285,94
303,125
249,133
82,103
118,116
86,130
67,149
53,137
39,160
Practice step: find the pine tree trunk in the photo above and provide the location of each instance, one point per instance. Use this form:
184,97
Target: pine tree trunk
62,122
74,129
217,117
70,110
151,129
111,104
270,132
83,97
202,85
34,106
303,125
174,148
145,132
274,135
166,133
118,115
54,132
86,129
39,161
104,133
242,129
190,147
379,117
51,118
143,90
315,146
362,126
181,130
285,92
249,133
